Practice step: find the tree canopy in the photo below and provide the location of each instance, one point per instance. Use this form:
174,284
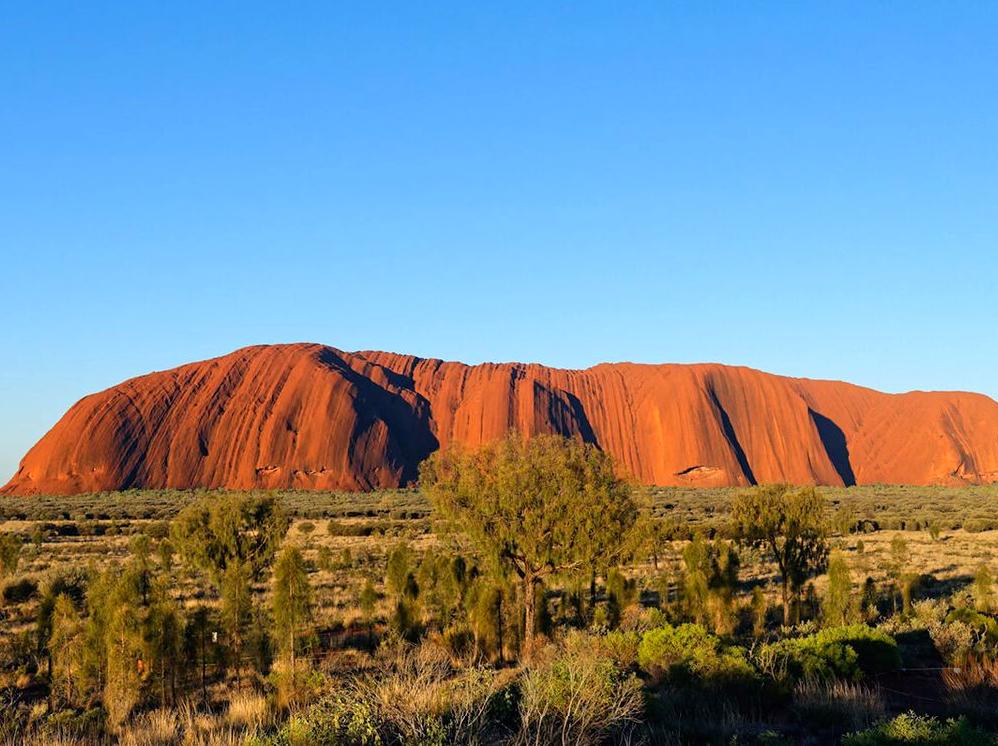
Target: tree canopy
790,522
537,507
243,530
10,553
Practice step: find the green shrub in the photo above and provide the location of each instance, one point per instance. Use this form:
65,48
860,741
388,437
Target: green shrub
157,529
877,651
17,651
339,718
800,658
913,728
338,528
458,640
964,632
10,553
977,525
838,652
19,591
65,724
953,641
690,652
324,560
981,623
621,647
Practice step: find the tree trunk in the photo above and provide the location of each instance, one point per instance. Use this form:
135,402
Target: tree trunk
787,603
204,666
529,607
291,632
239,664
499,628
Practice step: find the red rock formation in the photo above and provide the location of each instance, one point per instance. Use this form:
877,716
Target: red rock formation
313,417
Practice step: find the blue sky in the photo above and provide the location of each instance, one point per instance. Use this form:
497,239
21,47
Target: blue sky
807,189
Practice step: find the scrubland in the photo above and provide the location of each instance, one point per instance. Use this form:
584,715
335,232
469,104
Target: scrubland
406,633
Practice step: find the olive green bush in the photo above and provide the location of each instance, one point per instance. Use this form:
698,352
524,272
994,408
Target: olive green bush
837,652
920,729
690,654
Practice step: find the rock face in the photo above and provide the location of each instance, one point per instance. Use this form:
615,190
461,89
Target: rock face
312,417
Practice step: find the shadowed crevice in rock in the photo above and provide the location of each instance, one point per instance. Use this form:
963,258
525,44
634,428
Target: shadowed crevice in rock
563,414
834,441
585,427
410,437
732,437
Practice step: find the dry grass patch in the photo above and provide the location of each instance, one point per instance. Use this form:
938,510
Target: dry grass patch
838,702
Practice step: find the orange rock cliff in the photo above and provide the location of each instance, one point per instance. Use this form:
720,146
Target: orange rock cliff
308,416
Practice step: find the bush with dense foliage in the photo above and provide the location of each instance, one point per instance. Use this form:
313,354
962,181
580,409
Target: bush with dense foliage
689,653
519,502
20,590
790,524
920,729
837,652
985,626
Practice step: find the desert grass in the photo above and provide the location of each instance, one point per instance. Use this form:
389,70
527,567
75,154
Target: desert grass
248,710
418,692
838,702
186,725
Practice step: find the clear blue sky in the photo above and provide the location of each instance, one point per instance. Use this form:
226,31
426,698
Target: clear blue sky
810,189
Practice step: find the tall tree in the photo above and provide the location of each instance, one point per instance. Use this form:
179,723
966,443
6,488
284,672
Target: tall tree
486,618
400,580
724,567
72,584
166,551
292,603
650,534
759,608
869,600
141,549
710,578
983,589
115,651
537,507
367,600
837,606
232,539
198,644
66,645
10,553
696,568
164,637
237,612
215,533
790,523
897,566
